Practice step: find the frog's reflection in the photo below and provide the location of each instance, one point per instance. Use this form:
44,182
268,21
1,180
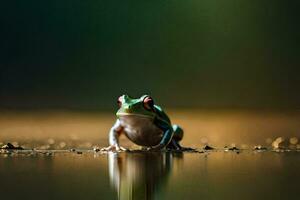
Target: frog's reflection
140,175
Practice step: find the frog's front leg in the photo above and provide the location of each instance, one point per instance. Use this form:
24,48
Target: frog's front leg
114,135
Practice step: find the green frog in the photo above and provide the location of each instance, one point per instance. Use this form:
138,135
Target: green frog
145,124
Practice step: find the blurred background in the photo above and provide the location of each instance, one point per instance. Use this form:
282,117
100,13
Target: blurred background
61,57
209,53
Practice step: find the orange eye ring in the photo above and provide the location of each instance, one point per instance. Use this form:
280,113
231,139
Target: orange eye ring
148,103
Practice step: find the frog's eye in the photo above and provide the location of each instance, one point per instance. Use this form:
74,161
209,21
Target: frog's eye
148,103
120,101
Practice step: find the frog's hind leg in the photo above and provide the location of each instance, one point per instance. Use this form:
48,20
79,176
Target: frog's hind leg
178,133
177,137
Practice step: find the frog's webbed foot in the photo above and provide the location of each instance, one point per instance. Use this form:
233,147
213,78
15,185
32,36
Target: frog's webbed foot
114,148
174,145
187,149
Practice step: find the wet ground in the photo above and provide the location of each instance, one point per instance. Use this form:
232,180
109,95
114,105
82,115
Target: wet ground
59,161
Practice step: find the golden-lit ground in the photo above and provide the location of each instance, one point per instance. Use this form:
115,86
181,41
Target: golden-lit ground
66,129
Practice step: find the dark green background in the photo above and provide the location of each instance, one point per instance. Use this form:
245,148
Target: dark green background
185,53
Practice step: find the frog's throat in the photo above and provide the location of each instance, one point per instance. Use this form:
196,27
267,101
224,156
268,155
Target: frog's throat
134,114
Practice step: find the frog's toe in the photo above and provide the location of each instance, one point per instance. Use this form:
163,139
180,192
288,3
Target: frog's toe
114,148
107,148
121,149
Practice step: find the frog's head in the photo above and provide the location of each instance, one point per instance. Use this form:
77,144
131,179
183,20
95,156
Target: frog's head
143,106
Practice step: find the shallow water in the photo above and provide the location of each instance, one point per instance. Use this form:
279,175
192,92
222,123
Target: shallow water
51,171
209,175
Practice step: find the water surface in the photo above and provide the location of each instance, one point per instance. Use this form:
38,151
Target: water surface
209,175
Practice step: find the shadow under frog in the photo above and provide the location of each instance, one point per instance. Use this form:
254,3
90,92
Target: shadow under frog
140,175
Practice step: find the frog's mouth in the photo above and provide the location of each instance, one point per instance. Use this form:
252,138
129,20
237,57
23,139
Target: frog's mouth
133,114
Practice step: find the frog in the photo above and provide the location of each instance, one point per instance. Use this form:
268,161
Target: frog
145,124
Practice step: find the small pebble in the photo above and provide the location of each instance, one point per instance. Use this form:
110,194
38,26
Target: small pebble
49,153
206,147
9,146
96,149
259,148
233,149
